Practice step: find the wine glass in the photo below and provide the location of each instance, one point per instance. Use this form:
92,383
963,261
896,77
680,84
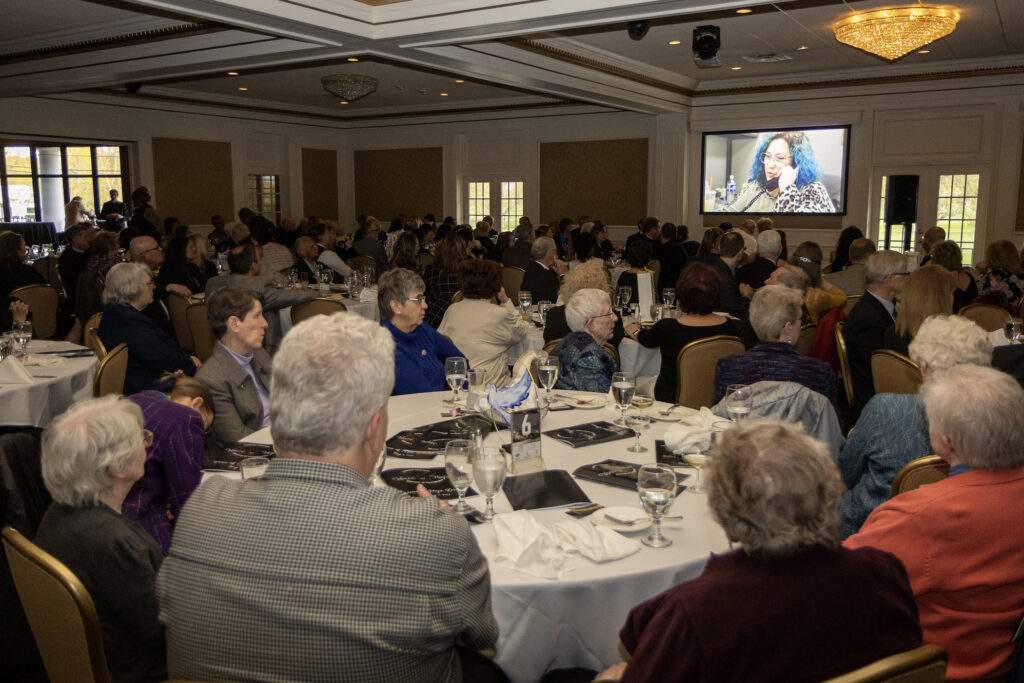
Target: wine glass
637,421
668,295
737,401
623,387
21,333
547,373
697,461
525,301
455,374
622,297
542,308
489,474
656,485
458,457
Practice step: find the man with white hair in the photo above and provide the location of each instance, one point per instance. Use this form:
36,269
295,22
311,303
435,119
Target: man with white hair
310,573
961,539
755,272
543,273
892,429
871,317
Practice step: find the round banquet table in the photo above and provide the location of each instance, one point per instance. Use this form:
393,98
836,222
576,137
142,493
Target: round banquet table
574,621
54,387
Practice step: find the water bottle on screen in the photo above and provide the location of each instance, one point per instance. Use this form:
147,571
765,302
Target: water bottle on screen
455,374
730,190
622,392
656,485
737,402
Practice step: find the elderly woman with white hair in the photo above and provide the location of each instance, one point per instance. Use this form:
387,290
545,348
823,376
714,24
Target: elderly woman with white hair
892,429
775,313
585,365
92,455
961,540
152,352
819,609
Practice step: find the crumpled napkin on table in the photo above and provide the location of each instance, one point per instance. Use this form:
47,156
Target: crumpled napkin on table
693,433
13,372
532,548
368,295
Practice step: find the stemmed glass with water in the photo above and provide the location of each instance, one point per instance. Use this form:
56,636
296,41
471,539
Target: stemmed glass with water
547,373
455,369
489,469
668,296
525,301
1013,330
656,485
737,401
21,334
623,388
458,464
637,421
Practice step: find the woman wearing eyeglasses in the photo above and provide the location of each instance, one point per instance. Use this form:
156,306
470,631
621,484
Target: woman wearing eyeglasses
784,178
585,364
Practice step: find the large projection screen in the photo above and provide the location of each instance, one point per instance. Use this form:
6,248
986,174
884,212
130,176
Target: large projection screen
775,171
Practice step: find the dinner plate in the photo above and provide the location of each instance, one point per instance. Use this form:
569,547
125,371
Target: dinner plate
600,517
592,402
674,416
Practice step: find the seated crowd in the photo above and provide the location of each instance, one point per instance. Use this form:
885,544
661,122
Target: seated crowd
197,579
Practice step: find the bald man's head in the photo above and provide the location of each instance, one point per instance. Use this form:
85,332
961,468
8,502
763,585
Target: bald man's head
146,250
305,247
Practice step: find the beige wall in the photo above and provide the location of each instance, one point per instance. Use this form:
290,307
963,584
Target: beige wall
192,179
393,181
606,179
320,183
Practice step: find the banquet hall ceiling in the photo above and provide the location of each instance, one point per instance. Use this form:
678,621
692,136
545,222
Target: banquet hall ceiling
510,54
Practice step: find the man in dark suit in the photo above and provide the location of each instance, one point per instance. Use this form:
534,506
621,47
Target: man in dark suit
650,230
673,257
731,298
769,246
865,328
147,251
543,273
518,255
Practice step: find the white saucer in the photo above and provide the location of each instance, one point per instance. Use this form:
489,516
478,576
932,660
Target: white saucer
592,402
601,519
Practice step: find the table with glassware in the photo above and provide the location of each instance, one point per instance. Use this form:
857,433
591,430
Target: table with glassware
52,383
574,620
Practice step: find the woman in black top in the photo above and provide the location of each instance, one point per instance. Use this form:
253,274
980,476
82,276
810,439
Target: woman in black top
696,295
92,455
948,255
14,272
441,277
638,255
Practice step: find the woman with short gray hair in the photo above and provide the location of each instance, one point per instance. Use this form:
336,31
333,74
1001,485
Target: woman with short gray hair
420,350
775,316
151,349
892,429
92,455
585,364
774,490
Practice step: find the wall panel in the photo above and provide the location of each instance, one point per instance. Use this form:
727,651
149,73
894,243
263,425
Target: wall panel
192,179
393,181
605,179
320,183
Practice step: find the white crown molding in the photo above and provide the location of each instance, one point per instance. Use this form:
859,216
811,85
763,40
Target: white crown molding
88,32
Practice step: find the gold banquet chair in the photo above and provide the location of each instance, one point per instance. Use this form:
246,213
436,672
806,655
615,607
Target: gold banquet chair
177,306
111,372
512,281
91,336
318,306
42,302
844,363
202,333
925,664
988,317
918,472
696,364
59,610
894,373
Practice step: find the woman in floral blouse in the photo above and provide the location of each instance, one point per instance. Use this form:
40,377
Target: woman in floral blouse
585,365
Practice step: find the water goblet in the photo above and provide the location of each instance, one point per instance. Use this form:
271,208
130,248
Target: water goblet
489,469
21,333
525,301
458,463
637,421
547,373
668,296
656,485
623,388
455,374
737,401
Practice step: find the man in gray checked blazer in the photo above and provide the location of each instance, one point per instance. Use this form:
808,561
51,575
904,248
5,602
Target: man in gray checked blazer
309,573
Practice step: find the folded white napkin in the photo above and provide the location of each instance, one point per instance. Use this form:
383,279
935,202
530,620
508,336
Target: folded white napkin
693,433
528,546
42,361
13,372
596,543
368,295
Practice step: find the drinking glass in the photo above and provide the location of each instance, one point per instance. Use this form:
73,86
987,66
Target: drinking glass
525,301
324,275
737,401
458,462
253,468
455,374
547,373
637,421
668,295
21,333
489,474
622,297
542,308
1013,329
697,461
643,392
656,485
6,345
622,391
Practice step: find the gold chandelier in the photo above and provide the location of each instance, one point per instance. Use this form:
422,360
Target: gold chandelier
892,32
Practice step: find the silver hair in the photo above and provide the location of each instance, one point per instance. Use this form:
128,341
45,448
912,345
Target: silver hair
396,285
882,264
87,444
794,278
769,244
126,283
771,308
523,232
945,341
542,246
238,232
331,374
774,489
584,305
979,411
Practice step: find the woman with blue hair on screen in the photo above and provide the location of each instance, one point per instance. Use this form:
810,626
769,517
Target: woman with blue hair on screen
784,178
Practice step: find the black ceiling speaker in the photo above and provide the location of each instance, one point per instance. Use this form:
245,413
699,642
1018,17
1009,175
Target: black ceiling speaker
132,88
638,29
706,42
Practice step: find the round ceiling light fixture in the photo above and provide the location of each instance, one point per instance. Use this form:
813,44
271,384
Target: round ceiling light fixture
892,32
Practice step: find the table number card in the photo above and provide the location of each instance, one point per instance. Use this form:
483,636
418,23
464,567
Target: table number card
525,449
645,295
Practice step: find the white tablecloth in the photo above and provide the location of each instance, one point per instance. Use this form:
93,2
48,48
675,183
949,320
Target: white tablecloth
54,390
574,621
367,309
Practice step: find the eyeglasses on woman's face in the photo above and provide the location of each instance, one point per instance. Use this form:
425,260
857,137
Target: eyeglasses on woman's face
421,299
779,159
